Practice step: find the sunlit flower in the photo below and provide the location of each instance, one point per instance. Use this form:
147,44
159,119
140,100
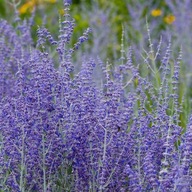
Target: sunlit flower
169,19
61,11
156,12
51,1
30,5
27,7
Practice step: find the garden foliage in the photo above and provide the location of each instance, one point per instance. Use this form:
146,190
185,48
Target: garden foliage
60,130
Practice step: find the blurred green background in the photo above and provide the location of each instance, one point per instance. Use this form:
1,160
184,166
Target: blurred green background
98,14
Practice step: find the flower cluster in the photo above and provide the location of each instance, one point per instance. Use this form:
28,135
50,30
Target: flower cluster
59,131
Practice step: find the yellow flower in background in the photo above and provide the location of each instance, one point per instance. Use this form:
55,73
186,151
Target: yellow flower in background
156,12
30,5
61,11
51,1
169,19
27,7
